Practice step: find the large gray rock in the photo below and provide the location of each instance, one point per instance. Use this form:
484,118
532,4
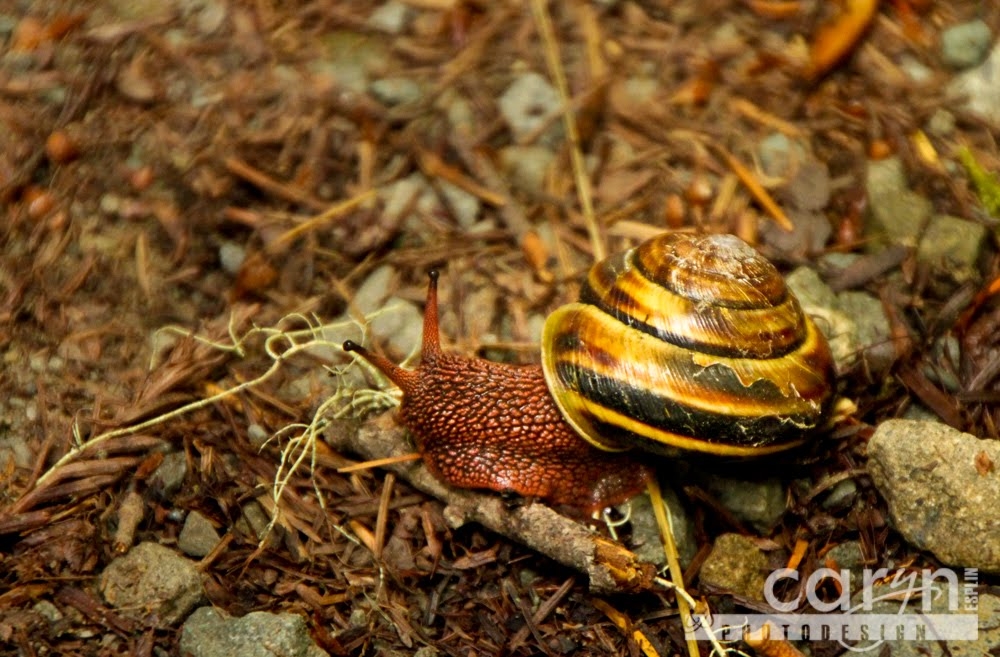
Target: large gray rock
736,565
897,213
152,584
966,44
758,502
943,490
646,542
210,633
854,323
953,244
527,104
978,86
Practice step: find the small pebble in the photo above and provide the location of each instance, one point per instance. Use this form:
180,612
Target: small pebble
256,521
457,202
231,257
641,89
152,581
736,564
841,496
110,204
36,362
48,611
941,123
358,618
40,202
16,450
942,368
979,89
257,435
779,155
61,148
527,103
761,503
390,17
373,291
141,178
915,69
169,476
526,166
847,554
399,325
198,537
210,15
396,91
953,245
966,45
897,214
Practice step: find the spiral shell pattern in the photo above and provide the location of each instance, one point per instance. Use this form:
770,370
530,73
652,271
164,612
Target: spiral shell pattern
688,342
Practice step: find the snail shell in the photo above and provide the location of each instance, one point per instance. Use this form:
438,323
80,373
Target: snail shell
688,342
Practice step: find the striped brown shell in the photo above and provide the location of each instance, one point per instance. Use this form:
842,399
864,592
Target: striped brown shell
688,342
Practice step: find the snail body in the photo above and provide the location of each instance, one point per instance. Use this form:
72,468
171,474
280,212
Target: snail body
481,424
685,343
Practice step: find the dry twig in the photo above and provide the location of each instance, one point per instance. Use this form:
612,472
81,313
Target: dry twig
610,567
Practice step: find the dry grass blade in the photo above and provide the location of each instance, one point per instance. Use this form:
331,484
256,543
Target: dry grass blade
434,167
90,607
943,404
753,112
260,179
91,458
583,190
382,519
673,564
23,593
78,487
775,9
379,463
757,190
476,47
543,611
623,623
798,554
15,523
327,215
90,468
529,618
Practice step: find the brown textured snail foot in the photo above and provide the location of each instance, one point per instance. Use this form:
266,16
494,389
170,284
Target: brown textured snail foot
610,567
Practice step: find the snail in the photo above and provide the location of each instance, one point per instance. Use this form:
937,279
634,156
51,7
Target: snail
686,343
